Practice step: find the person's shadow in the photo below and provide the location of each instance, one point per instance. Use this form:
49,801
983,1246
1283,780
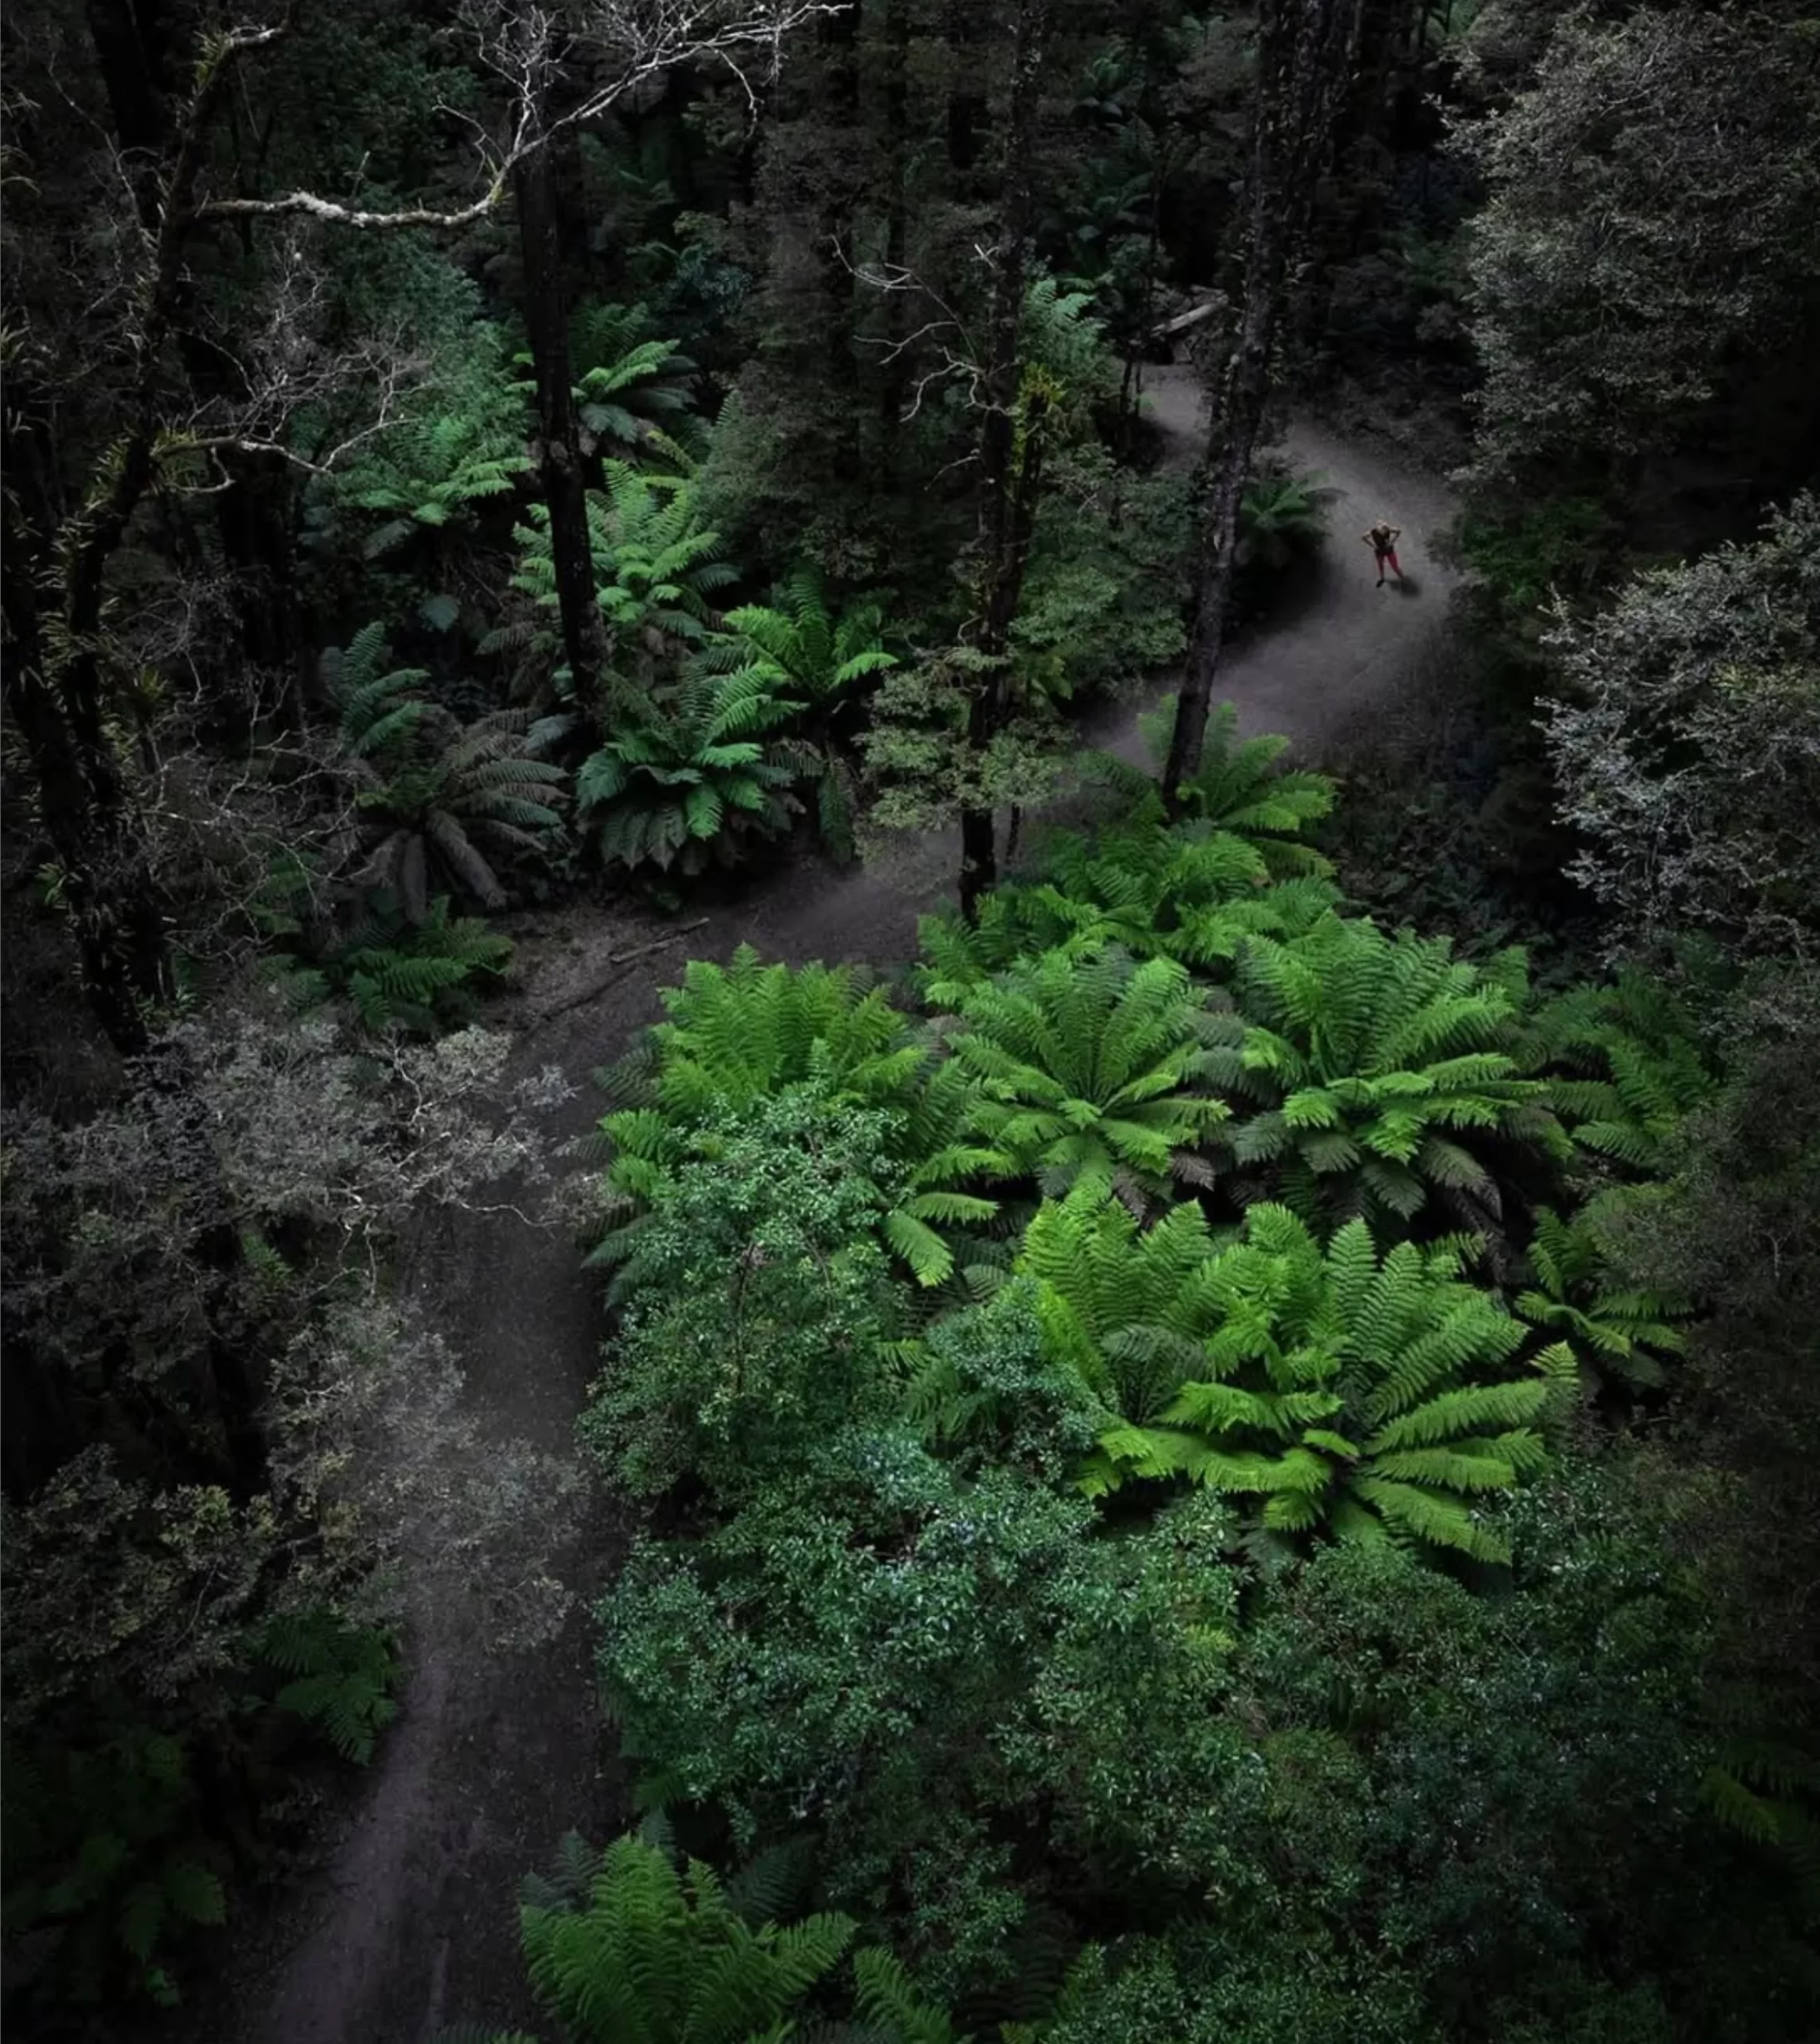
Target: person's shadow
1405,585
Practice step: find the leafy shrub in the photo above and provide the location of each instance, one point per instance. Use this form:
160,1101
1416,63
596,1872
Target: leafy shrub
1102,598
912,1663
739,1034
755,1296
413,978
1685,739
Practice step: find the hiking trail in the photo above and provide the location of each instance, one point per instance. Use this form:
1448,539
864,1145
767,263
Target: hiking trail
411,1925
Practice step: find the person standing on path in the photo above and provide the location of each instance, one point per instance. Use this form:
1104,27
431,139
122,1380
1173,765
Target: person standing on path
1382,540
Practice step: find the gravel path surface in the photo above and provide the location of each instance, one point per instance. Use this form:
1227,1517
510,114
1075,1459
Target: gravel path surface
411,1925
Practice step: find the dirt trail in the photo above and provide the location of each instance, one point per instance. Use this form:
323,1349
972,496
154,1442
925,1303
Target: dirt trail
412,1926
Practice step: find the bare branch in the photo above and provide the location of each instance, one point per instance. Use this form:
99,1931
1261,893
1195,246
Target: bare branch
517,41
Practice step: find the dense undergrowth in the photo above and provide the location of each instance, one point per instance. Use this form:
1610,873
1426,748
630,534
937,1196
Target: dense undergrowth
1229,1454
1159,1523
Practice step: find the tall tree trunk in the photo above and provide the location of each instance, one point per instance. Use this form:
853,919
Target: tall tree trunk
133,43
58,682
894,384
1010,477
966,102
1305,55
839,37
562,474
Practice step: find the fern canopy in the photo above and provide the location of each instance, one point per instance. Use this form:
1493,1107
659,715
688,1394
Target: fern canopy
654,1957
1625,1333
802,650
693,778
656,570
1376,1395
439,797
1092,1069
401,978
1627,1068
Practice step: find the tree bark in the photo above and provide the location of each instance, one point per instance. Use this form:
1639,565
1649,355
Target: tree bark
133,49
894,383
1305,51
1010,477
839,37
58,683
561,473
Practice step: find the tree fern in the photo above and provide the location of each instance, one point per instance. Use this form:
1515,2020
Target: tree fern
1238,788
1092,1069
1369,1074
1193,893
460,441
1627,1068
1614,1333
887,1998
738,1032
654,1957
634,383
439,797
105,1849
655,571
803,651
1281,517
694,778
341,1680
1124,1310
412,979
1375,1395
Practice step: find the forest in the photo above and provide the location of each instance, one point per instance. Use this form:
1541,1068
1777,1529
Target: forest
910,1126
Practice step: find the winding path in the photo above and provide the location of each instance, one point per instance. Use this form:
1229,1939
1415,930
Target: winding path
412,1926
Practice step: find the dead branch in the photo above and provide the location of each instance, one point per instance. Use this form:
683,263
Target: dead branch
519,42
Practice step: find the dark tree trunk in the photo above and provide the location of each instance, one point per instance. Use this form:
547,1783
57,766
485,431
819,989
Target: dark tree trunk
84,810
839,37
1307,48
562,476
132,48
894,385
1010,477
58,685
966,102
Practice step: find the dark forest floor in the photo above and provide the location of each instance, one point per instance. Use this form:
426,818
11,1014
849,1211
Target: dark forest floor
410,1924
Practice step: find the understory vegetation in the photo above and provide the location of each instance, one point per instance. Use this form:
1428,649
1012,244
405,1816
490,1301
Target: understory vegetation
1227,1453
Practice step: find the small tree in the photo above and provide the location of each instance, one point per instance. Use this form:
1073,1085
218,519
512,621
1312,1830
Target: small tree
1687,744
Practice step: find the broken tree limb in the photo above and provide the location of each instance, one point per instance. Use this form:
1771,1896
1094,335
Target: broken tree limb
615,961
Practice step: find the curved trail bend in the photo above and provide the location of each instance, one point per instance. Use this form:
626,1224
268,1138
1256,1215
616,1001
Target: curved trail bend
412,1925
